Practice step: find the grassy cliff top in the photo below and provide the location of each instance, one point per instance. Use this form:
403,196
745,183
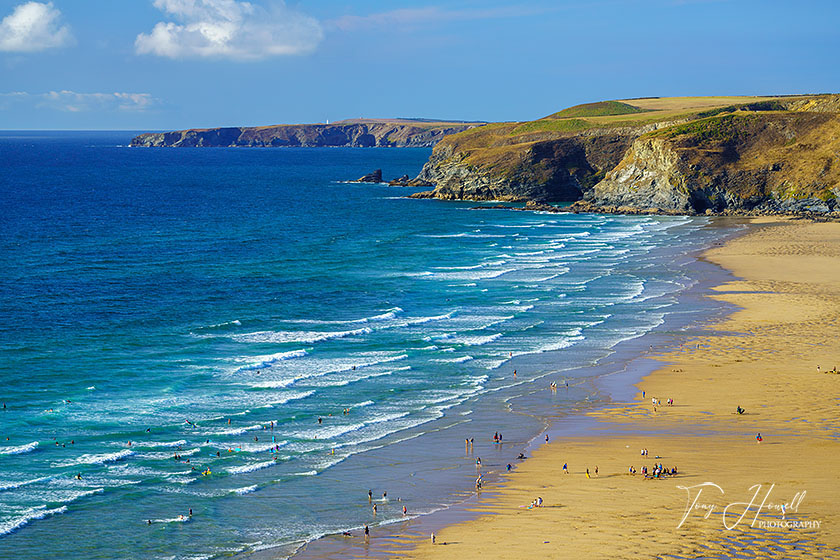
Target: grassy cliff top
499,145
597,109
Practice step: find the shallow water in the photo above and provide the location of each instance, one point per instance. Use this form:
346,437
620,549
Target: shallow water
216,303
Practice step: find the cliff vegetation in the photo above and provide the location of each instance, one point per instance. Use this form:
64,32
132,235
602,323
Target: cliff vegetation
687,155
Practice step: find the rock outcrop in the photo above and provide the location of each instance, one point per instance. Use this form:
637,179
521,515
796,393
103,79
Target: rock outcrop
692,155
361,134
374,177
773,162
543,169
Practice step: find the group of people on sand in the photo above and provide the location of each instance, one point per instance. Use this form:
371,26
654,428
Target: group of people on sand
658,471
538,502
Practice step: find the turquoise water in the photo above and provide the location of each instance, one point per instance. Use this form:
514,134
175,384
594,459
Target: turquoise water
214,304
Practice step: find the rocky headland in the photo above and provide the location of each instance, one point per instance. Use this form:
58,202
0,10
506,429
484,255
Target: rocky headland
357,133
714,155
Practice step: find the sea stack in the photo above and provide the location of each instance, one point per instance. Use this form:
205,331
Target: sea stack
375,177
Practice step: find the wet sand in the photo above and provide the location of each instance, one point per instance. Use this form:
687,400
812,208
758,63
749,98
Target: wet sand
763,358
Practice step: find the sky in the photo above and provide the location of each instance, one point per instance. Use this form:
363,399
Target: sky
172,64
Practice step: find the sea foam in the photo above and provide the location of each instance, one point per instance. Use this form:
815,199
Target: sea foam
17,450
32,514
95,459
251,467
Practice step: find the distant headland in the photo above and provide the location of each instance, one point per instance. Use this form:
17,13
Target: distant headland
357,133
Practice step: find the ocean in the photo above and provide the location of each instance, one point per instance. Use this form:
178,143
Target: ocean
242,334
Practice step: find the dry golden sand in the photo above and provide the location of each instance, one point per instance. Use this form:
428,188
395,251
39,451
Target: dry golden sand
763,358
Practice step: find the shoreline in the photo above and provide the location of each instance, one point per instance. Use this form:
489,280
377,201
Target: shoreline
618,515
613,377
632,518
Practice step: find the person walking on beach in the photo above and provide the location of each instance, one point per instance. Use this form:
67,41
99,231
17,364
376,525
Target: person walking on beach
587,473
566,468
758,437
367,534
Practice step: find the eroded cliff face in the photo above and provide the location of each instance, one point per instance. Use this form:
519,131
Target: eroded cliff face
768,155
772,162
542,170
360,135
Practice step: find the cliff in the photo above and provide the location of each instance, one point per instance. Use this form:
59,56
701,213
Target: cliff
362,133
774,162
683,155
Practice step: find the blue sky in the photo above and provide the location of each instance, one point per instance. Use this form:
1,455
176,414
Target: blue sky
168,64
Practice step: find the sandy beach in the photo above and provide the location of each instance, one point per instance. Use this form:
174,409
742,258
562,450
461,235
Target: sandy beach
733,496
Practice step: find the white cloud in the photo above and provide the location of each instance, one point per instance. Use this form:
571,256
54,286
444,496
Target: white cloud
229,29
32,27
73,102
